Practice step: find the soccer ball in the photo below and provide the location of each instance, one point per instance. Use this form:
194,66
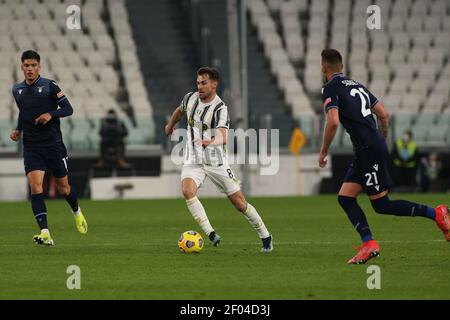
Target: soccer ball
190,241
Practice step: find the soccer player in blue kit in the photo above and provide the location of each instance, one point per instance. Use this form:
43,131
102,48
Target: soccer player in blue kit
350,103
38,99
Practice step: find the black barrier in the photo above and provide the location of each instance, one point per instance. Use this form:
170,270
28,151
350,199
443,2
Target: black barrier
340,163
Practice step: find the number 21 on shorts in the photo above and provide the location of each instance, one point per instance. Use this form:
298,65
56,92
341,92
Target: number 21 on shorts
369,177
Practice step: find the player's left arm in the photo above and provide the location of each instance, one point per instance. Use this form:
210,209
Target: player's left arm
219,139
383,118
221,126
65,108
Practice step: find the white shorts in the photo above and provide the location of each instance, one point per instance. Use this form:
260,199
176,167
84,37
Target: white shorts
222,176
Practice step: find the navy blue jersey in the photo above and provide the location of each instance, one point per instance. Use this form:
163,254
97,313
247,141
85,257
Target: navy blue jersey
354,103
42,96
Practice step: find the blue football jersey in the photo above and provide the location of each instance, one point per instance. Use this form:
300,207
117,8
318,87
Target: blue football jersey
33,100
354,103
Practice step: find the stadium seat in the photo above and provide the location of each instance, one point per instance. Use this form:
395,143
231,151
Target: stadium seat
420,134
79,140
392,103
307,123
425,119
441,86
436,102
421,39
411,103
416,57
438,134
419,87
405,119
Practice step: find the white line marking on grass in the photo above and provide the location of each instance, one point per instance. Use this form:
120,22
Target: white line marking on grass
163,243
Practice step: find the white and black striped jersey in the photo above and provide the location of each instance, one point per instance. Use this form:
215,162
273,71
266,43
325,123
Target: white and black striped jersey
203,119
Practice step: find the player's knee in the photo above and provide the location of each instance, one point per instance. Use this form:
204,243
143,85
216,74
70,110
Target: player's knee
189,192
36,187
382,205
240,205
64,190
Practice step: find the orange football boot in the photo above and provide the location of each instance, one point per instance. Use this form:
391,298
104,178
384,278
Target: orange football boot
367,251
443,220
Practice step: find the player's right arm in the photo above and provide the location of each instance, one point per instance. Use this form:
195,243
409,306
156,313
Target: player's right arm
383,118
178,114
331,106
15,134
329,132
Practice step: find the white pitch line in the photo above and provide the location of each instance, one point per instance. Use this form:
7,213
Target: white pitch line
287,243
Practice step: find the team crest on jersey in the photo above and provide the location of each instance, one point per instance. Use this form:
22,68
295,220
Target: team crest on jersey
198,125
20,91
40,89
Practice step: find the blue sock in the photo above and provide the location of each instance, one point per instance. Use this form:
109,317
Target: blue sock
72,199
39,210
431,213
356,216
402,208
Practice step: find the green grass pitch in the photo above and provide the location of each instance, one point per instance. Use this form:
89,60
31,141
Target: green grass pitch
131,252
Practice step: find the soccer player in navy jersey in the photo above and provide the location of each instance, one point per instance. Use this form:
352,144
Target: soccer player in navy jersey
38,100
350,103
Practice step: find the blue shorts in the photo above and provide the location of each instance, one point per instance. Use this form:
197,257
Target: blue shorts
370,168
53,158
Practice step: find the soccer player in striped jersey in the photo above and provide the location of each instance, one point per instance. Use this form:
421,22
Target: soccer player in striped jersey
206,155
350,103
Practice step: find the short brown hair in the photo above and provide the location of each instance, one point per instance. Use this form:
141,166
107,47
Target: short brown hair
213,73
332,57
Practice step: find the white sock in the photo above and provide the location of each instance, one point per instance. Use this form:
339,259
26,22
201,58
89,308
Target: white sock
45,231
255,220
198,213
76,213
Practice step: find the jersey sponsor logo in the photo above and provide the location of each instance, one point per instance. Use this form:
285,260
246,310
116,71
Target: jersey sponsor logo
60,94
197,124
